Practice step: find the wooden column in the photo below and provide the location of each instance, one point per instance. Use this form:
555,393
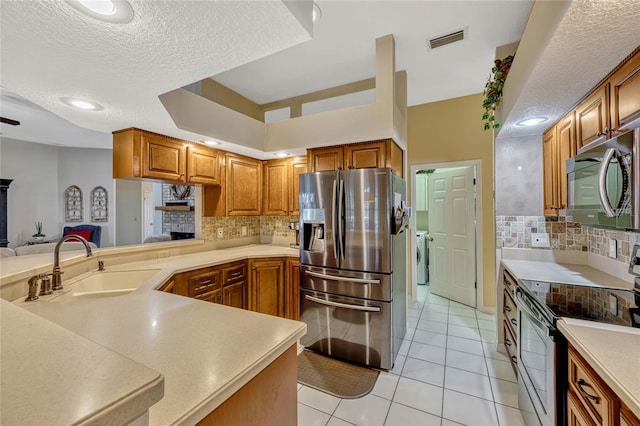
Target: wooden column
4,186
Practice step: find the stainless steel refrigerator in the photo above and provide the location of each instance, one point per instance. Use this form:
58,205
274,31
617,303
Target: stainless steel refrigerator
353,273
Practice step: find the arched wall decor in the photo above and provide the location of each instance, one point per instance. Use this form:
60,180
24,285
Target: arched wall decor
73,204
99,204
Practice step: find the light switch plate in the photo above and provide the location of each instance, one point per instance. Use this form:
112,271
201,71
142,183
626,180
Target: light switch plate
243,231
613,248
613,304
220,232
540,239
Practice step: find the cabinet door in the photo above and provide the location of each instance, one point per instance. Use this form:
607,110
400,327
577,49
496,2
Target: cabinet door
276,188
168,287
244,186
235,295
325,159
203,166
212,296
293,289
266,285
565,132
297,166
592,117
365,155
163,158
575,413
625,95
549,172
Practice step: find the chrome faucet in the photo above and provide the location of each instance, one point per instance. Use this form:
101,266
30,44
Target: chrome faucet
56,279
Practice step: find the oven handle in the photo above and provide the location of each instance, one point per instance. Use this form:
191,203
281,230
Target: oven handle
602,182
342,305
335,278
521,301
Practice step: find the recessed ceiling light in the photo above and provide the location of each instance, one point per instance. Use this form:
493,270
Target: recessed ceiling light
112,11
212,143
317,13
82,104
281,154
532,121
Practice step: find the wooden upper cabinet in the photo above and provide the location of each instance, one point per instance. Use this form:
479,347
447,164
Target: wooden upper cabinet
325,159
163,158
297,166
203,165
549,172
592,117
365,156
266,286
276,188
566,148
243,186
625,95
382,153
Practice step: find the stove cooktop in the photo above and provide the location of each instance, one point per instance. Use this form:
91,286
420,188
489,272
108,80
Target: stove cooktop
601,304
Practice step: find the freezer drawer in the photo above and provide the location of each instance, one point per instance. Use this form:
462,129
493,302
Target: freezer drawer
363,285
354,330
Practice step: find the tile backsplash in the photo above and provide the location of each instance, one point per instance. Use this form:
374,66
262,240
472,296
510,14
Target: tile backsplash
515,231
257,226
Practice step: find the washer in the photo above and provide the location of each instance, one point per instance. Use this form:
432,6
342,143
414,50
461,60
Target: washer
421,248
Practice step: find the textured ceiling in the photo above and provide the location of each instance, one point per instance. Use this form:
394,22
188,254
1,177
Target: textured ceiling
50,50
591,39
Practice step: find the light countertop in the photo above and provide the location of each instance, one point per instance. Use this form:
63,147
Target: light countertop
205,351
613,352
53,376
562,273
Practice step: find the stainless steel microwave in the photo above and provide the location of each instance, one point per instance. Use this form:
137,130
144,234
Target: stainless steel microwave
603,183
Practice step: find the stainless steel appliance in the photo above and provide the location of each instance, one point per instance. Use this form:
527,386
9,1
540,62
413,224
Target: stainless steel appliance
603,183
353,254
542,350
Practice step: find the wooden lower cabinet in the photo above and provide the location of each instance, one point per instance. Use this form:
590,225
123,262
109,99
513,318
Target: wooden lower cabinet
266,286
235,295
590,401
293,289
269,285
270,398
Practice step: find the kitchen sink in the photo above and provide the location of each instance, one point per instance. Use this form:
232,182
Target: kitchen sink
104,284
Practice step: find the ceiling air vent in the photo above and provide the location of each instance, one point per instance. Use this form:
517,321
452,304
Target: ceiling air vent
443,40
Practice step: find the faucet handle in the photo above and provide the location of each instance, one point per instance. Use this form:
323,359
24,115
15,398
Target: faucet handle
45,285
33,289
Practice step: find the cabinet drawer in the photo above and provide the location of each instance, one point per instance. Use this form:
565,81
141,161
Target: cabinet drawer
509,282
204,282
234,272
511,345
598,402
510,311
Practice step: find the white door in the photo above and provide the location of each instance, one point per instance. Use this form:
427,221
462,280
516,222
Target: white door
148,210
452,252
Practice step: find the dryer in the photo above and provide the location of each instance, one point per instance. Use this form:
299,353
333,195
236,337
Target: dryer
421,248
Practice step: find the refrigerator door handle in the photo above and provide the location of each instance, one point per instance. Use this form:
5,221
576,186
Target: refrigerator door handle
335,278
333,221
340,218
342,305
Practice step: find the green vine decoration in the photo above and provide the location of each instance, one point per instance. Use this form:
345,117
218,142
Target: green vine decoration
493,91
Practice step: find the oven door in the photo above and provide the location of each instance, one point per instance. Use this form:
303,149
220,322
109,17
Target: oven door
536,365
352,329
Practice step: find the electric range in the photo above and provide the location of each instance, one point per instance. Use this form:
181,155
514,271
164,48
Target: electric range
619,306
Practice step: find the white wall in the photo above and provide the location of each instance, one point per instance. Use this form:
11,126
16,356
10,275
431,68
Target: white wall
129,213
88,168
33,194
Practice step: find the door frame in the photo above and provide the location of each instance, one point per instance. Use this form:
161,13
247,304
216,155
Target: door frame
478,209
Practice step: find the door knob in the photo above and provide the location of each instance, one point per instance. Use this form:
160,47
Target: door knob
429,238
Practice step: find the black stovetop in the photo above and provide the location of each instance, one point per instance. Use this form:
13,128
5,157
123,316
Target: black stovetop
607,305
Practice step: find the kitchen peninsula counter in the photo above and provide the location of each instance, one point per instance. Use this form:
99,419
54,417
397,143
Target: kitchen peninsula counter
206,352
